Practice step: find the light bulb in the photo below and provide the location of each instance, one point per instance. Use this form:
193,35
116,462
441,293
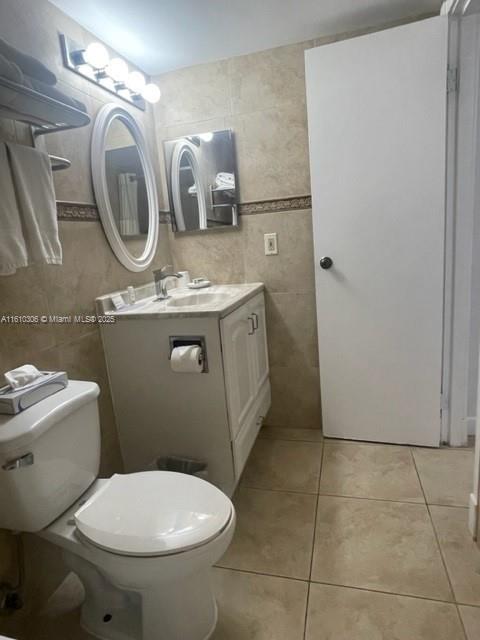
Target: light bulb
206,137
151,93
117,69
96,55
108,83
135,81
86,70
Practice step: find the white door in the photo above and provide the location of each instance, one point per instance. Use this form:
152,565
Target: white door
377,130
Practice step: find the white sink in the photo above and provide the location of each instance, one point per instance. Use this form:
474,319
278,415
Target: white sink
216,300
200,299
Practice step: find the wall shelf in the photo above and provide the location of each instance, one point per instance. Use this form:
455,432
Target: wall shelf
46,114
43,113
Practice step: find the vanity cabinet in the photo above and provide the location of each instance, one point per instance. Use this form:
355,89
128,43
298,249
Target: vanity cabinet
214,416
245,357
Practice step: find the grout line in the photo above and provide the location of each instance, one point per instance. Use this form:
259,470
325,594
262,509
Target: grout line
306,612
387,593
439,546
347,586
284,438
461,621
312,553
296,493
341,495
302,493
261,573
447,506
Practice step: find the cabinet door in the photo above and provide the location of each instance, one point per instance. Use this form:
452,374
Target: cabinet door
237,333
258,344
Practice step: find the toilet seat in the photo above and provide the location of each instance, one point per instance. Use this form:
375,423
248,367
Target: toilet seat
153,513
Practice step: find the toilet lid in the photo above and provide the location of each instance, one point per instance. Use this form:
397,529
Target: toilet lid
153,513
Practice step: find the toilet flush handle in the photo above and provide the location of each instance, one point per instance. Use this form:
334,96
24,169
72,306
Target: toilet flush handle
23,461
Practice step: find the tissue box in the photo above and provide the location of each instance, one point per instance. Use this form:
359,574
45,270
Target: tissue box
13,401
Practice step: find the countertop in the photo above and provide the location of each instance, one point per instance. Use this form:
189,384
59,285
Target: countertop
230,297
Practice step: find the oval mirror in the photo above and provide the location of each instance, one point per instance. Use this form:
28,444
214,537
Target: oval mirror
188,188
125,188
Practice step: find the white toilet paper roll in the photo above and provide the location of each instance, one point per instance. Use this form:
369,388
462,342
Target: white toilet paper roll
188,359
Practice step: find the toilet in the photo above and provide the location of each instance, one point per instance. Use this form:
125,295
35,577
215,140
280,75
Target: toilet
143,544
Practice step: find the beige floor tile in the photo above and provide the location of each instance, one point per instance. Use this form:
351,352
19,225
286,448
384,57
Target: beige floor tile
471,622
274,533
284,466
446,475
386,546
286,433
370,471
256,607
58,628
461,554
338,613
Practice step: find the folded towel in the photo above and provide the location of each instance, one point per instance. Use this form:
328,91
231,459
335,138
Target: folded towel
23,376
10,70
30,66
13,251
33,181
53,92
225,180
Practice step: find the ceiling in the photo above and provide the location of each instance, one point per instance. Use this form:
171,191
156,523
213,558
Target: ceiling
162,35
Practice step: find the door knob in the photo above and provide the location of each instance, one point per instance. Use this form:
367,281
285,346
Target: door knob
326,262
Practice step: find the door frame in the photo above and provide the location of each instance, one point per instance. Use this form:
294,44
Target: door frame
459,245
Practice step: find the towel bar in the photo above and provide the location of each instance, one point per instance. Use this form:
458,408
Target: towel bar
58,163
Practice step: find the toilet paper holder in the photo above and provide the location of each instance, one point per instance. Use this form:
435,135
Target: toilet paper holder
185,341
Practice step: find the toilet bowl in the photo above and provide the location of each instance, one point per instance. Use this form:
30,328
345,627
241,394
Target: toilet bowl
143,544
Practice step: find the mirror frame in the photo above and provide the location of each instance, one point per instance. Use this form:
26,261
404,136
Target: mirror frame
107,114
181,148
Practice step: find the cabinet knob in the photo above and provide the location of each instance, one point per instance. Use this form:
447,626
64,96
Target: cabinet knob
252,326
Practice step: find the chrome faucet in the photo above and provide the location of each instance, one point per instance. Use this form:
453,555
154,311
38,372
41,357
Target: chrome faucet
161,277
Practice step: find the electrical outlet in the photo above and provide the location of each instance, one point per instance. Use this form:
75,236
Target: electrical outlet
271,244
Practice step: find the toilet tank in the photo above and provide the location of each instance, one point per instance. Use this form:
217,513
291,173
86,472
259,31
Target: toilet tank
49,455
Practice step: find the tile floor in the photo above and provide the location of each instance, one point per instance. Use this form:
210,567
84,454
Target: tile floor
343,541
350,541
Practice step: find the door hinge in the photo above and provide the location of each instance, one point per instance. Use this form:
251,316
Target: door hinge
452,80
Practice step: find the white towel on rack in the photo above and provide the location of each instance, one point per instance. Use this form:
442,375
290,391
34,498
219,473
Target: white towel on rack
33,181
225,180
127,190
13,251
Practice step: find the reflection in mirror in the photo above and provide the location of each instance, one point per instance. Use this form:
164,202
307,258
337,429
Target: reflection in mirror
126,187
202,181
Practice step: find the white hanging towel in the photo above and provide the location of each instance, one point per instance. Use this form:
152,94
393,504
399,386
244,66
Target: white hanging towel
127,189
13,251
33,181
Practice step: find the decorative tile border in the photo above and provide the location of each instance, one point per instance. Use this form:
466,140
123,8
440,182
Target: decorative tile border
77,211
277,205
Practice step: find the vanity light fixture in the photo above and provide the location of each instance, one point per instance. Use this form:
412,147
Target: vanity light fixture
135,82
117,69
96,55
93,63
151,93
